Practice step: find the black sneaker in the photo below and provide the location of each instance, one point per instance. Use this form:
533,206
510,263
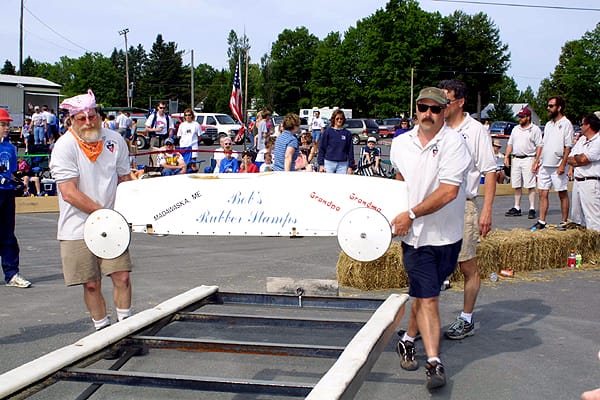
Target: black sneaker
401,333
538,226
531,214
406,351
513,212
435,375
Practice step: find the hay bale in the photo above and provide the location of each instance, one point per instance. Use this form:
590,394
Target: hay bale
517,249
387,272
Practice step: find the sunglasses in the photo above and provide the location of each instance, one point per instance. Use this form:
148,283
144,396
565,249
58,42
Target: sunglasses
227,144
161,108
187,115
434,109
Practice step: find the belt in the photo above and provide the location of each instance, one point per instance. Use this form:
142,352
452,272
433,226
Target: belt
521,156
588,178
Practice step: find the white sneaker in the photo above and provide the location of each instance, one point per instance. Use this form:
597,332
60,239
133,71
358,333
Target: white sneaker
18,281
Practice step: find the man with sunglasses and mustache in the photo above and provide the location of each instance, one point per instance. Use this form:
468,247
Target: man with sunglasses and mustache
556,146
433,160
88,162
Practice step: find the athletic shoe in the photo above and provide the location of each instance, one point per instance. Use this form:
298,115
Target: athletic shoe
435,375
531,214
563,226
18,281
538,226
460,329
406,351
513,212
401,333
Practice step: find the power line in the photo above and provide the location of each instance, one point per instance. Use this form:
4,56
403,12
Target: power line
489,3
55,32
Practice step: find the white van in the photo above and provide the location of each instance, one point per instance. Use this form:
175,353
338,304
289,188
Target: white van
224,123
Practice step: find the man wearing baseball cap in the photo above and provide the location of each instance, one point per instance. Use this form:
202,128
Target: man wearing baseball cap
88,162
433,160
525,148
9,246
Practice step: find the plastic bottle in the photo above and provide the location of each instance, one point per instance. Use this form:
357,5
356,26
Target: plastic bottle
494,277
578,260
572,259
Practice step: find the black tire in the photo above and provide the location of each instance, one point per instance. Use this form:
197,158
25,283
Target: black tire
141,142
208,142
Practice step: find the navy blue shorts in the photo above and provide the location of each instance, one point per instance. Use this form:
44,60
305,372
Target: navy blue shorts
428,267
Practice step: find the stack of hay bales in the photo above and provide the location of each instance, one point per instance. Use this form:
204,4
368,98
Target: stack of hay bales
518,249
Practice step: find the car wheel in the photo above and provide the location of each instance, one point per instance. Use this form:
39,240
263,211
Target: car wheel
141,142
208,142
355,139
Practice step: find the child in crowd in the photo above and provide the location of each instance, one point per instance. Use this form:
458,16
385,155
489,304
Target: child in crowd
268,164
247,165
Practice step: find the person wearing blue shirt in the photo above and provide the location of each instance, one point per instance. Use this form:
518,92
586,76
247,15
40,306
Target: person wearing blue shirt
229,164
336,150
286,147
9,246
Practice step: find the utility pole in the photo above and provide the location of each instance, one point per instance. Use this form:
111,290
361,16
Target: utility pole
193,105
124,32
21,43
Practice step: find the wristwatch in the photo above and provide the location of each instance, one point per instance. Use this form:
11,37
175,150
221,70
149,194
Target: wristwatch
411,214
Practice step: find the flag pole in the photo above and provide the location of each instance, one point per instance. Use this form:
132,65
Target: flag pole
245,112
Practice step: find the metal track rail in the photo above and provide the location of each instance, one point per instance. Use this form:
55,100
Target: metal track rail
143,333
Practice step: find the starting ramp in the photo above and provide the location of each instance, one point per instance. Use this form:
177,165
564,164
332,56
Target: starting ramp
175,333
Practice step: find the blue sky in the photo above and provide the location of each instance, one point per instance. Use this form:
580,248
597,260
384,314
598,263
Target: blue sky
54,28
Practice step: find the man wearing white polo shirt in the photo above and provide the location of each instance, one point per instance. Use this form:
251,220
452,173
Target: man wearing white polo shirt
479,143
525,148
557,143
585,170
433,160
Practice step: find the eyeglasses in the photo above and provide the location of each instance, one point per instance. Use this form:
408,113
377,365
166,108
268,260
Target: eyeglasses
339,119
187,115
227,144
90,118
434,109
551,106
161,108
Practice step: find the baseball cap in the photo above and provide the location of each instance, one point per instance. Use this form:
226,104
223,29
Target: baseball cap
435,94
525,112
496,143
371,139
169,140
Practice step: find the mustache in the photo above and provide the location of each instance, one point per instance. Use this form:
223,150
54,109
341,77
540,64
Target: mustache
425,119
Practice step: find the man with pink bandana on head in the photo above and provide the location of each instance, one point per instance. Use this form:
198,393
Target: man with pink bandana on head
88,162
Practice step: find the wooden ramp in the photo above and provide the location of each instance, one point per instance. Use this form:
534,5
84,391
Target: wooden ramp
186,326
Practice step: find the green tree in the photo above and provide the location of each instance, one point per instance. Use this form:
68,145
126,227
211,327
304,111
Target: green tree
164,77
474,54
95,71
327,81
505,91
501,112
8,68
290,68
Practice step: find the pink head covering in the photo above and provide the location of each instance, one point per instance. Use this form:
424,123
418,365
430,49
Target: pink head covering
81,103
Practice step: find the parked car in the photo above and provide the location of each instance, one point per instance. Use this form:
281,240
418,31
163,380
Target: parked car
502,128
387,125
224,123
278,119
362,128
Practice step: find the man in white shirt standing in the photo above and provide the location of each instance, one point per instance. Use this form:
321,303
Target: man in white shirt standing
433,160
557,143
525,148
159,125
479,143
316,127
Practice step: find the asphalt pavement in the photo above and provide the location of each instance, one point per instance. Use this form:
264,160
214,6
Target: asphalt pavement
536,335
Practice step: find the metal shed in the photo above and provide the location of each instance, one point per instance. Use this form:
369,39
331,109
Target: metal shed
20,93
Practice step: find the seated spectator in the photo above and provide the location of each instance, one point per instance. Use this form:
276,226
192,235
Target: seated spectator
372,155
307,152
171,161
25,173
247,165
219,153
260,156
403,128
228,164
268,164
500,168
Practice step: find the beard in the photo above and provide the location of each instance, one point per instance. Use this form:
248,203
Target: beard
89,133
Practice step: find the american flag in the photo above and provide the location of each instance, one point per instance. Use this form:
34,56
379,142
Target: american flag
235,102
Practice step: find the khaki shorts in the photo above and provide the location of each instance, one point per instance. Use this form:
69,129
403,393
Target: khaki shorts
471,232
81,266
